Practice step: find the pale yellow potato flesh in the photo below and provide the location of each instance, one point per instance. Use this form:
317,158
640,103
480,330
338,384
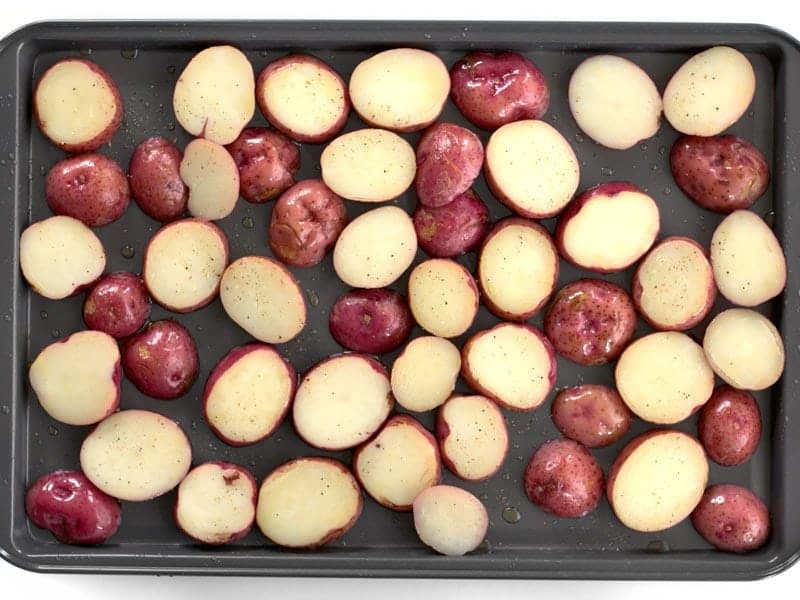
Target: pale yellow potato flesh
425,373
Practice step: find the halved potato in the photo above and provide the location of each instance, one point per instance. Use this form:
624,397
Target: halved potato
425,373
450,520
210,173
443,297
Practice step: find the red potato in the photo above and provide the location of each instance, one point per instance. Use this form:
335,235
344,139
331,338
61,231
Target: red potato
397,464
72,508
450,520
608,227
721,173
118,304
77,105
517,269
732,518
77,379
214,96
183,264
342,401
673,287
593,415
216,503
512,363
371,321
262,297
161,361
425,373
664,377
210,173
308,502
493,89
657,480
531,169
60,256
443,297
590,321
729,426
267,163
303,97
248,394
449,159
564,479
89,187
453,229
155,179
402,89
136,455
473,437
306,221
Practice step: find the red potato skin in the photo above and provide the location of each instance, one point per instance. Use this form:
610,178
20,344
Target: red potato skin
732,518
70,506
161,361
89,187
729,426
222,367
155,179
453,229
99,139
593,415
493,89
590,321
449,159
722,173
291,59
372,321
564,479
306,222
118,304
267,163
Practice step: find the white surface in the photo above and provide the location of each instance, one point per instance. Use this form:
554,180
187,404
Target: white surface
18,583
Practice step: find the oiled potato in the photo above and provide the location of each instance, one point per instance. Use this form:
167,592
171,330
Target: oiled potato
732,518
443,297
729,426
155,179
267,162
457,227
371,321
591,414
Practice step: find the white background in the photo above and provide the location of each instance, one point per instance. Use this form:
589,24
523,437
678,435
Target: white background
15,13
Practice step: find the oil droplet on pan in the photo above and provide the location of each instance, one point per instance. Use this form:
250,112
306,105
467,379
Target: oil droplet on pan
127,251
248,223
129,53
43,314
511,515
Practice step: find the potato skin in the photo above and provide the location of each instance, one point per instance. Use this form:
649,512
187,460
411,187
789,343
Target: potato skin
449,159
492,89
306,222
729,426
590,321
564,479
155,179
732,518
373,321
723,173
593,415
89,187
118,304
267,163
453,229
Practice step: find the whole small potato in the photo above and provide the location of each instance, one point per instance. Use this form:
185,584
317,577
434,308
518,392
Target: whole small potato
306,222
590,321
593,415
729,426
372,321
492,89
564,479
89,187
117,304
449,158
723,173
450,230
267,163
155,179
732,518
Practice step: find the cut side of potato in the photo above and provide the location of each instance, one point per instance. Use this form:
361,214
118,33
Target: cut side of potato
342,401
368,165
262,297
214,96
450,520
745,349
403,89
60,256
531,168
308,502
425,373
398,463
657,480
517,269
443,297
136,455
664,377
210,173
183,264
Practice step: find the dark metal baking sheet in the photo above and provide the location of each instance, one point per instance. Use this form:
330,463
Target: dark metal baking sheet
145,58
